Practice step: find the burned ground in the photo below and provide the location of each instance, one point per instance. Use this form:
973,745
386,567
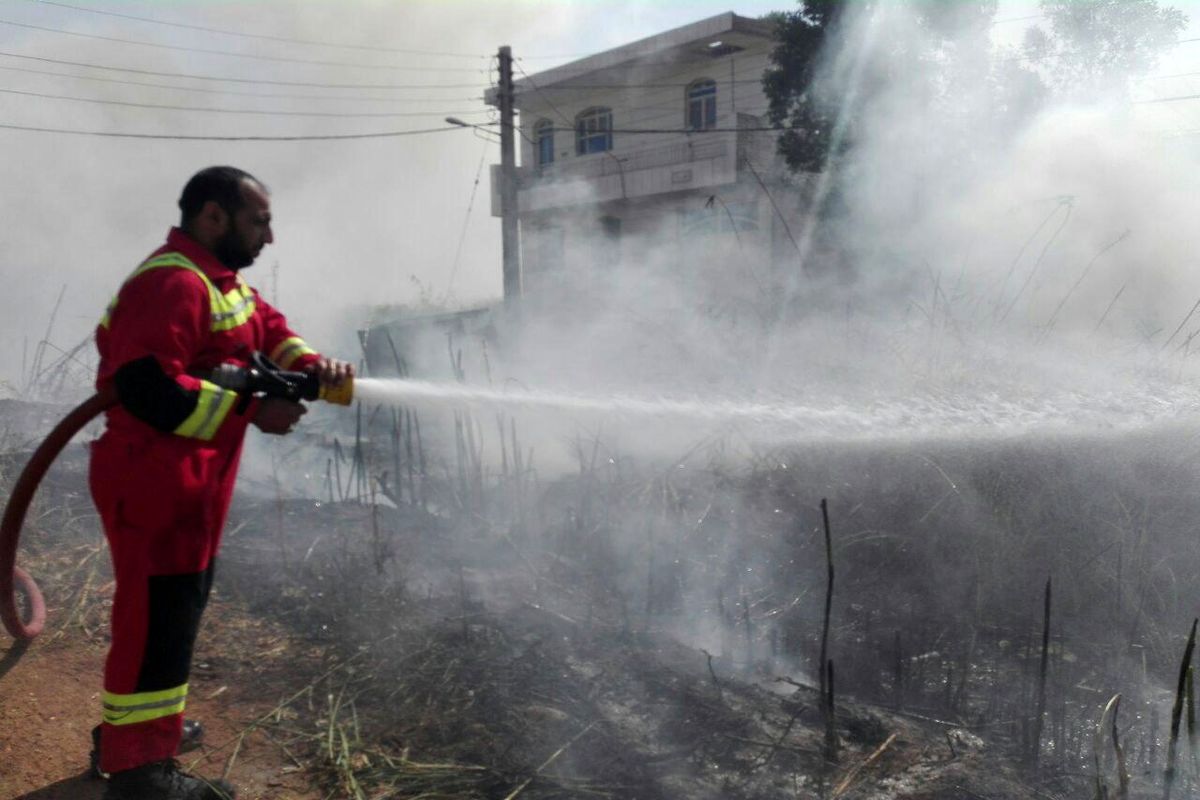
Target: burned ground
650,631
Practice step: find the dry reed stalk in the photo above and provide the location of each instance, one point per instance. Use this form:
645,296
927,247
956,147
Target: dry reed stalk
397,425
416,425
1122,768
1177,712
1035,746
337,469
897,671
409,416
1107,719
1191,722
823,658
848,781
554,757
830,748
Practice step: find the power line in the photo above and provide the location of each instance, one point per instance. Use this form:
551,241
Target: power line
260,112
1171,99
308,84
462,236
630,85
277,59
1164,77
691,131
265,37
198,138
1016,19
235,93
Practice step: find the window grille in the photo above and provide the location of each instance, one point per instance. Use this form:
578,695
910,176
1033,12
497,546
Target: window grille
702,105
593,131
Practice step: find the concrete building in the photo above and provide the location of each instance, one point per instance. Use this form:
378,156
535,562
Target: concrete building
657,150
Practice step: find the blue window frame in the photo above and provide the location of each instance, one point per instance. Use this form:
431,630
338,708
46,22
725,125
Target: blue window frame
593,131
543,136
702,105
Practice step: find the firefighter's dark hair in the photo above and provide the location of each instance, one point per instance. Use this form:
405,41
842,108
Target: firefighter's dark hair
220,184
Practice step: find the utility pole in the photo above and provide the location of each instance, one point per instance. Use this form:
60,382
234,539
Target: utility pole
508,182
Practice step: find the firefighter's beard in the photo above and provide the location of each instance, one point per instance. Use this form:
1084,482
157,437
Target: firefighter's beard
231,250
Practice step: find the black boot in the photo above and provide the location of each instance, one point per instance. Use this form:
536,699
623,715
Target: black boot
164,780
193,737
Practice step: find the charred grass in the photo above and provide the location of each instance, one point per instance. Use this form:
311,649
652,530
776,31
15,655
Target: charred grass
653,631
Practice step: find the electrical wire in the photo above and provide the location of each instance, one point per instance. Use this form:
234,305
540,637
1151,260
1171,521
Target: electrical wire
200,138
462,236
691,131
261,36
229,53
260,112
216,78
233,93
1172,99
627,86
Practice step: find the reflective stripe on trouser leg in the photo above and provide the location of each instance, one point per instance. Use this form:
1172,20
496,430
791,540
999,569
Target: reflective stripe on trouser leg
146,724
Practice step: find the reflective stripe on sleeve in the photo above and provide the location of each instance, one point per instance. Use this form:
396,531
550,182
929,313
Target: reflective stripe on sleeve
129,709
211,409
290,349
233,308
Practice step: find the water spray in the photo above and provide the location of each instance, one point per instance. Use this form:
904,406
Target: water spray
941,416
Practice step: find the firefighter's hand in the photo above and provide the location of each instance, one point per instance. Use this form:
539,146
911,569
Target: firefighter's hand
278,416
331,371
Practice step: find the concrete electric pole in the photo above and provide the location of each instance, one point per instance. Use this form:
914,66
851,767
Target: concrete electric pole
510,244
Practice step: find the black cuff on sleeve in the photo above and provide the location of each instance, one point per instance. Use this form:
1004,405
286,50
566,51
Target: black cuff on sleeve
152,396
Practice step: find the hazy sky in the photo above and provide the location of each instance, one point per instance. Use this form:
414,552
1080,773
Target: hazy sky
358,222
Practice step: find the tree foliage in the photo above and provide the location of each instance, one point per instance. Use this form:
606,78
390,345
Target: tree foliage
940,55
1093,48
795,100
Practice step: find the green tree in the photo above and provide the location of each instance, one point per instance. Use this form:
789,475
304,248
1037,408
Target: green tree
940,54
932,50
796,99
1089,49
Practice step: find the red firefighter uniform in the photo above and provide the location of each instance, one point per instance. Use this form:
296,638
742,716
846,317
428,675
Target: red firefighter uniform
162,474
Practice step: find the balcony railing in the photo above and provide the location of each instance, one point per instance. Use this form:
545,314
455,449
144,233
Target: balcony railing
689,161
697,147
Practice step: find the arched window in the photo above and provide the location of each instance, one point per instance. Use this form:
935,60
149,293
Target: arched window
701,105
593,131
543,137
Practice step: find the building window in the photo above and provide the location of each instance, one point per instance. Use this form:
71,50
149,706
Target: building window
593,131
702,105
543,136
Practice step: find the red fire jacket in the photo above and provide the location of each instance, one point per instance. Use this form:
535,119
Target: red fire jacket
190,324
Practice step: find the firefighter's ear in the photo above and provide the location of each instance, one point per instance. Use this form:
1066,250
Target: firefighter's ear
213,218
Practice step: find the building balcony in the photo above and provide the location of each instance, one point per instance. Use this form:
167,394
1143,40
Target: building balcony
688,162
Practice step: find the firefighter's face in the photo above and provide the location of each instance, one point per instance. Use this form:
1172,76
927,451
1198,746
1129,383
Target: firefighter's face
248,230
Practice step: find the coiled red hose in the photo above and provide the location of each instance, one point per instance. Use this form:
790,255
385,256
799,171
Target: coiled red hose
14,517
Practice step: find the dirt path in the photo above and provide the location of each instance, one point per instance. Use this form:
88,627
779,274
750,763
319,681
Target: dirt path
49,701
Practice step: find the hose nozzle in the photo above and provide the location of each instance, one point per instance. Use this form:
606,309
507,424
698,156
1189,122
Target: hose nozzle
341,395
263,377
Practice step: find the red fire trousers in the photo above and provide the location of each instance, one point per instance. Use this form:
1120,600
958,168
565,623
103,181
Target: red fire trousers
163,504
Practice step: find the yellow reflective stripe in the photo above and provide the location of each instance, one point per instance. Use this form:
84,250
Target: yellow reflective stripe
107,318
233,308
290,349
228,310
128,709
211,410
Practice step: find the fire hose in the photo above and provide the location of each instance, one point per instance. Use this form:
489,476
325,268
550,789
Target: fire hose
261,377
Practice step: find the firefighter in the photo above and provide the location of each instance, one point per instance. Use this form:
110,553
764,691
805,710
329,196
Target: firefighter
162,474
